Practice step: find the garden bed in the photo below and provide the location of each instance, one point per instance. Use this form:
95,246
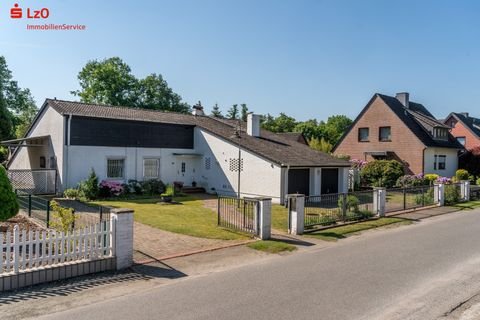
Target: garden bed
23,222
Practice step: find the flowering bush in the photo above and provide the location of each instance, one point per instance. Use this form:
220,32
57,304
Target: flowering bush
431,177
111,188
444,180
412,180
357,163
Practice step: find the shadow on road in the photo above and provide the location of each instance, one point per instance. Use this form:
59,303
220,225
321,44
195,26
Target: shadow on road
74,285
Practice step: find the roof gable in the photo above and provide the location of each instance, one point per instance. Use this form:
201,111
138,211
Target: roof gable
471,123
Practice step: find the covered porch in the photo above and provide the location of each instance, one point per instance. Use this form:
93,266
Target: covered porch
36,172
314,181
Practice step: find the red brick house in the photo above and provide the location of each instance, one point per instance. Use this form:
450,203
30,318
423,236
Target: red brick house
395,128
464,128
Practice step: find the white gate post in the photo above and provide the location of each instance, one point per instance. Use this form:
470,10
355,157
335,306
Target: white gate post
465,190
296,213
265,218
379,200
123,239
439,194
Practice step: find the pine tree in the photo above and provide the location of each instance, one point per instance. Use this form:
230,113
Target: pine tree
232,113
216,111
244,112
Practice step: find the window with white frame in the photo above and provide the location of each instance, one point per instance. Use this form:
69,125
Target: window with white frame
440,162
116,168
151,168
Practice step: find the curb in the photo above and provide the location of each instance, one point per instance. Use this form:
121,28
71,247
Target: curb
186,254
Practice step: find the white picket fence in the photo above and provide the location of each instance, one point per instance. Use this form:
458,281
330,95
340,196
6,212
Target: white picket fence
26,251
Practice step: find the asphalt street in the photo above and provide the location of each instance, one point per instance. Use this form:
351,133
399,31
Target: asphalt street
419,271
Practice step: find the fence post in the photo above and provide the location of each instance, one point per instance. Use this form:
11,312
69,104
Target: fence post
344,206
73,222
296,214
265,218
439,194
48,214
465,190
123,237
404,199
29,205
379,200
16,245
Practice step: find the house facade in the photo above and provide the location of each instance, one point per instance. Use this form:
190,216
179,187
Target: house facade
395,128
221,156
464,128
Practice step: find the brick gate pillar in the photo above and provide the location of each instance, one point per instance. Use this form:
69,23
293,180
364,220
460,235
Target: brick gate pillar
123,237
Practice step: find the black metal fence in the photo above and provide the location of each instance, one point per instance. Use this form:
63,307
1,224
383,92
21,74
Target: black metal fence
238,214
474,192
338,207
39,209
35,182
400,199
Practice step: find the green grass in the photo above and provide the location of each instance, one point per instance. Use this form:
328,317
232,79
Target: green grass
468,205
189,217
342,232
271,246
279,217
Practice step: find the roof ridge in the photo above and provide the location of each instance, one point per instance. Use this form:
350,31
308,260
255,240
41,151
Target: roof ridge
116,107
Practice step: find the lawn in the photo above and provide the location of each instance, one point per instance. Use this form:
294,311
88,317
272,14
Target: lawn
189,217
342,232
279,217
468,205
271,246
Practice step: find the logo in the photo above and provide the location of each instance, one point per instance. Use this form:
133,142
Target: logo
17,13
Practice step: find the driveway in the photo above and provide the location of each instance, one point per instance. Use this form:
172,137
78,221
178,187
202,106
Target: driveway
419,271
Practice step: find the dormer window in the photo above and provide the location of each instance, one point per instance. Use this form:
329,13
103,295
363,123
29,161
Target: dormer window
440,133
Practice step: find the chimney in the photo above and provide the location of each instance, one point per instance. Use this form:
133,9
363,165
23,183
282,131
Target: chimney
403,97
198,109
253,125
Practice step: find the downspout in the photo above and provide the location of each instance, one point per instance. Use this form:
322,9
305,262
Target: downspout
423,160
66,164
285,184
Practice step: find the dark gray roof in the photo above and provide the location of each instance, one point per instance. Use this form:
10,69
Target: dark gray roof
417,118
470,122
278,148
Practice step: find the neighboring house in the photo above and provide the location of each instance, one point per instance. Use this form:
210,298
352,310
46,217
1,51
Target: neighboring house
122,143
464,128
396,128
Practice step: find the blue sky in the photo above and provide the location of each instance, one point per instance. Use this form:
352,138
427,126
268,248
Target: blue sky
309,59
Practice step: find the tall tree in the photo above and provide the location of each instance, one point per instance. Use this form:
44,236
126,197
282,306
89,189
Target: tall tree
243,112
335,128
154,93
310,129
320,145
110,81
282,123
232,113
17,107
216,113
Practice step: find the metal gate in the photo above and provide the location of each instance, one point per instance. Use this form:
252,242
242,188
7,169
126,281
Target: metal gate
34,181
401,199
238,214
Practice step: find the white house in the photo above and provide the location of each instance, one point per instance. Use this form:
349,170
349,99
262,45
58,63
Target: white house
68,139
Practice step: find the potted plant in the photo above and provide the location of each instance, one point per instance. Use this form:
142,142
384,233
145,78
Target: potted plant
167,196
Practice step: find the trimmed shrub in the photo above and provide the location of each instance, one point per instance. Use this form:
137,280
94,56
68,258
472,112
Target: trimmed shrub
382,173
352,203
431,178
478,181
8,200
153,186
452,195
71,193
133,186
461,174
89,188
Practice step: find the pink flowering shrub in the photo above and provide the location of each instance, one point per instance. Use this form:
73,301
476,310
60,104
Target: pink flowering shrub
444,180
357,163
110,188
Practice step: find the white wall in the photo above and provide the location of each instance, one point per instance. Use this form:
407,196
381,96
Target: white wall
81,159
451,161
50,123
259,177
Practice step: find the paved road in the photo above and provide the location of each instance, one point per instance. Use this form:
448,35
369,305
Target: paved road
411,272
